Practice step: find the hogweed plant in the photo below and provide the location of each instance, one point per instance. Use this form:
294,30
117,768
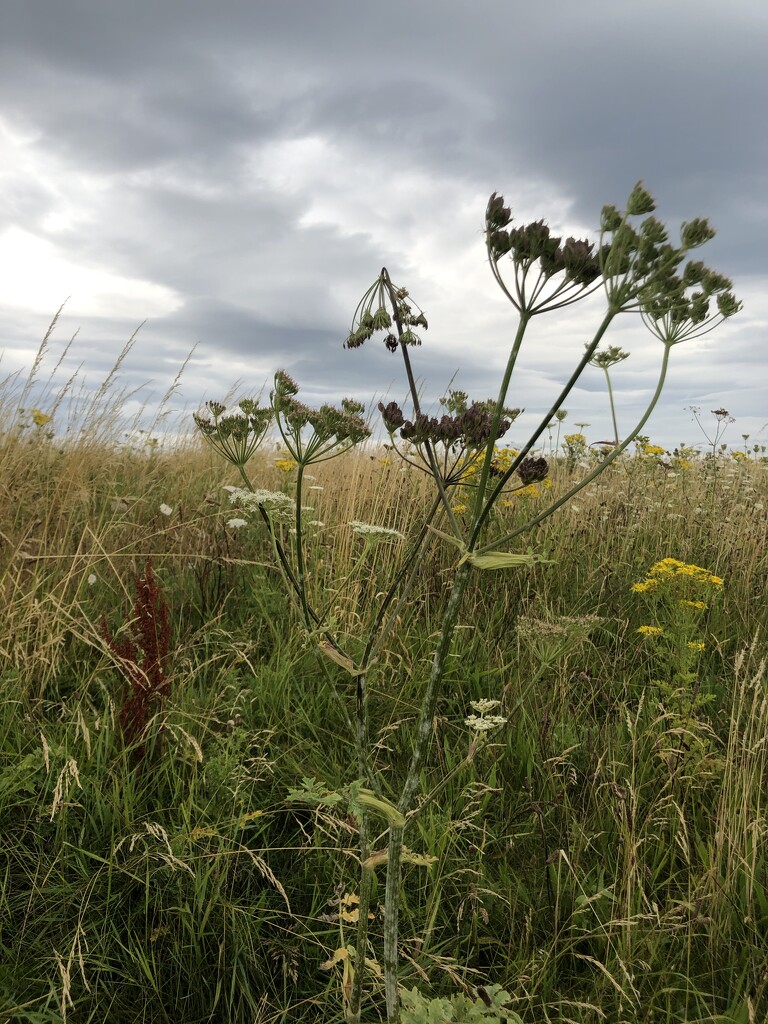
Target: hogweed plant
639,270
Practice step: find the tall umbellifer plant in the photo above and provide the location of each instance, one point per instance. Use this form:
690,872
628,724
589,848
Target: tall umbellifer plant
639,271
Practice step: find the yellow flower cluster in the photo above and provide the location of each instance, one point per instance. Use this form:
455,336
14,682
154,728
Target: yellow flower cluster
286,463
503,459
650,630
40,418
531,491
652,449
670,569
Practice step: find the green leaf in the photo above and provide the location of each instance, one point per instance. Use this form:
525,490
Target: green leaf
501,559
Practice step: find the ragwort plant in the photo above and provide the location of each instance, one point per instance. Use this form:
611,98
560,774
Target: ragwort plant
639,271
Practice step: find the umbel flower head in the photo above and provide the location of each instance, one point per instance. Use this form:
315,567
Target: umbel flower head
548,272
314,435
235,433
469,428
638,266
532,470
373,315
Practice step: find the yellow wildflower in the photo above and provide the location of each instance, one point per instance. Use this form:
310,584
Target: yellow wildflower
696,645
650,630
693,604
40,418
645,585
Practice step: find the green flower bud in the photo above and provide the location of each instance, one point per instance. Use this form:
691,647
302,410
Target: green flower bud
381,319
640,201
727,304
497,215
610,219
696,232
285,385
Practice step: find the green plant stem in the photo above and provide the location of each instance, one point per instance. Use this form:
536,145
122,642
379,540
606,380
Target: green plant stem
361,941
497,415
411,563
589,352
613,406
410,788
595,472
431,457
300,565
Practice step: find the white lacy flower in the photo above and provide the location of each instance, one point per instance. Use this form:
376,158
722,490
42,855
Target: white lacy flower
486,723
91,579
166,509
485,705
237,524
279,505
371,532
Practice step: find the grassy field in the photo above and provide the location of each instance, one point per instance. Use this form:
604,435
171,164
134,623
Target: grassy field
603,856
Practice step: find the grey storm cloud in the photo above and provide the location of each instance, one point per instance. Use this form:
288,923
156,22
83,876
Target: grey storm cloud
259,162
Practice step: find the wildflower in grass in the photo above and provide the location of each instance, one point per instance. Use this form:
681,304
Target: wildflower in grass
235,434
575,448
483,721
237,524
460,508
286,463
652,449
40,418
677,592
484,705
166,510
554,638
739,456
375,533
278,505
91,579
672,569
502,460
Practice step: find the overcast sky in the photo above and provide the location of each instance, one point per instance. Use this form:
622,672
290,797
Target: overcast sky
236,174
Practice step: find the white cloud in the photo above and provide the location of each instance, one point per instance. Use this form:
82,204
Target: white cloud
36,276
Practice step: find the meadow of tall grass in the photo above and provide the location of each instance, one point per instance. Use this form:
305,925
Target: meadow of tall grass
207,771
603,857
